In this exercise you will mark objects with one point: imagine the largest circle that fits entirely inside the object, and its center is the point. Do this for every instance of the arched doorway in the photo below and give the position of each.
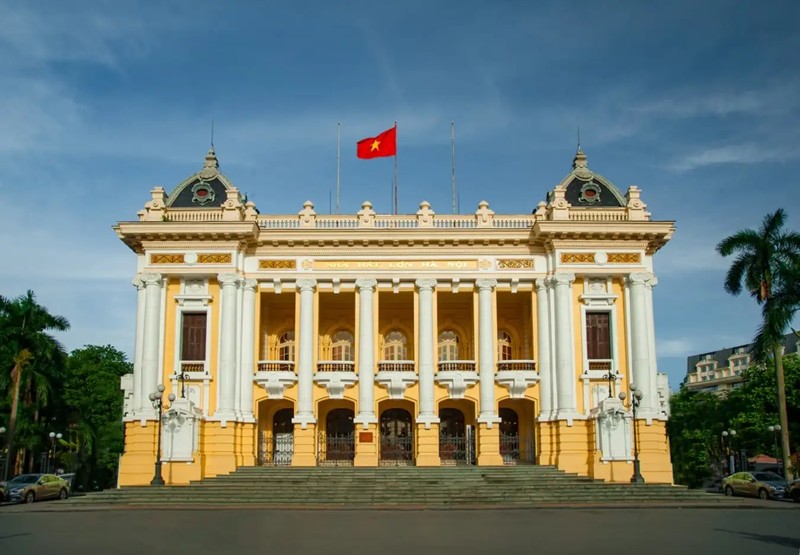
(282, 437)
(397, 437)
(456, 440)
(337, 447)
(509, 435)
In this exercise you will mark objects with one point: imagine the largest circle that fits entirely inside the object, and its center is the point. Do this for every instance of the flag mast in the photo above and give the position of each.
(453, 161)
(338, 160)
(395, 169)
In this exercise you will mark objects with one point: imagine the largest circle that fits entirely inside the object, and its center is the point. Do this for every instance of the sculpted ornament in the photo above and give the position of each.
(425, 284)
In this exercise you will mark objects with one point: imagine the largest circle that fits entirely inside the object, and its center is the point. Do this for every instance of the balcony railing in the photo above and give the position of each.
(516, 365)
(603, 365)
(193, 366)
(275, 366)
(336, 366)
(456, 366)
(396, 366)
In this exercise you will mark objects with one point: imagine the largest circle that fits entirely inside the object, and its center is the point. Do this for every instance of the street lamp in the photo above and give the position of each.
(636, 399)
(776, 429)
(727, 451)
(51, 455)
(156, 399)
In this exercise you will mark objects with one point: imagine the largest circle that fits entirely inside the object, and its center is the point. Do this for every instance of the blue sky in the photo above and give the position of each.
(698, 103)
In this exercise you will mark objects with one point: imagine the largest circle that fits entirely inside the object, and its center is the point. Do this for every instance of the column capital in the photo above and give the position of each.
(306, 284)
(639, 278)
(652, 281)
(563, 278)
(138, 282)
(228, 280)
(152, 278)
(542, 284)
(366, 283)
(425, 284)
(485, 284)
(249, 284)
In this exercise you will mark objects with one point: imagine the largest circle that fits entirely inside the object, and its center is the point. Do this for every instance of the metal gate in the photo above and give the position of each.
(276, 449)
(515, 450)
(396, 451)
(457, 449)
(336, 449)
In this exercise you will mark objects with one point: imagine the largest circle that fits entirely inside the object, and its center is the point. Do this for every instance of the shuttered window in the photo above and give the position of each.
(194, 336)
(598, 335)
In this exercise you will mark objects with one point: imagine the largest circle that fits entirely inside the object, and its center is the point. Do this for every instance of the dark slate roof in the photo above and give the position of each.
(185, 198)
(606, 199)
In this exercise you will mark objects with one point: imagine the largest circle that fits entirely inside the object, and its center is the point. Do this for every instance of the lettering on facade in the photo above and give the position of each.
(392, 265)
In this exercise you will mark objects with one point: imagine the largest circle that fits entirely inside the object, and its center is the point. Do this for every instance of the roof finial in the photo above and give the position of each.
(579, 139)
(580, 160)
(212, 134)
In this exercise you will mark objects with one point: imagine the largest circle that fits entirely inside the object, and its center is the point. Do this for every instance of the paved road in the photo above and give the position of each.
(391, 532)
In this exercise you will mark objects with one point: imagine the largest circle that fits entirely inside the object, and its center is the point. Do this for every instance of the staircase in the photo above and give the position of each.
(398, 486)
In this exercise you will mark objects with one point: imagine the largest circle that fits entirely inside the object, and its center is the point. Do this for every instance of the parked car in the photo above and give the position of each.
(794, 491)
(35, 487)
(765, 485)
(2, 491)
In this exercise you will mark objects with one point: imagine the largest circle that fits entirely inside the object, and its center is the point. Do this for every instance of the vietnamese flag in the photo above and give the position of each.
(384, 144)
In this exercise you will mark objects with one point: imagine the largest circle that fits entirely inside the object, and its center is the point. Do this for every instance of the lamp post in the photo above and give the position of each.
(182, 376)
(636, 398)
(727, 451)
(611, 376)
(51, 455)
(776, 431)
(157, 399)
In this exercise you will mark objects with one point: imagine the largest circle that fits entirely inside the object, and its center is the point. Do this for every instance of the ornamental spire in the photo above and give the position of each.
(210, 165)
(580, 160)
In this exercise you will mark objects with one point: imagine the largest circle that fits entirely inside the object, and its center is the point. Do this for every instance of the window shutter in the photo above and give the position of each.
(194, 337)
(598, 335)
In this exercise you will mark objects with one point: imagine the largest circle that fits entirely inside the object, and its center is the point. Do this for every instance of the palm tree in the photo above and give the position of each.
(767, 267)
(24, 324)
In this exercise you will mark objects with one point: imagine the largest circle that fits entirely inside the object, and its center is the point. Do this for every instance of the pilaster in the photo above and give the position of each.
(428, 444)
(152, 340)
(427, 415)
(486, 352)
(227, 348)
(248, 347)
(305, 444)
(489, 445)
(138, 383)
(565, 354)
(366, 354)
(304, 416)
(367, 445)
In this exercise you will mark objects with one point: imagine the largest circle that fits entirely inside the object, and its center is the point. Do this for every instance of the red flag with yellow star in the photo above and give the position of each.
(384, 144)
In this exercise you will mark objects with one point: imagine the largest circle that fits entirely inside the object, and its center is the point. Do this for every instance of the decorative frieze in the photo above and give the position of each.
(601, 258)
(191, 258)
(264, 264)
(214, 258)
(166, 259)
(514, 264)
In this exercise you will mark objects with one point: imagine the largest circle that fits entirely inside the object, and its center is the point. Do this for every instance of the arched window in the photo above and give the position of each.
(394, 346)
(342, 346)
(448, 345)
(503, 346)
(286, 346)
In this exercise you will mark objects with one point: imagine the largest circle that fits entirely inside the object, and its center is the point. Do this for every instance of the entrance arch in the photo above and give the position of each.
(336, 446)
(509, 435)
(397, 437)
(456, 439)
(275, 432)
(517, 431)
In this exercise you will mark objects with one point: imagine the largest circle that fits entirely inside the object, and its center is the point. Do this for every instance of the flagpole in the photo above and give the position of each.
(453, 161)
(395, 168)
(338, 160)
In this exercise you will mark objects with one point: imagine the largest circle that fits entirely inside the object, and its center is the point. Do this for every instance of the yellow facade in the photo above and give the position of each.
(312, 349)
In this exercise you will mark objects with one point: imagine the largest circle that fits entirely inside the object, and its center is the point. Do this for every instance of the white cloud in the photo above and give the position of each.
(746, 153)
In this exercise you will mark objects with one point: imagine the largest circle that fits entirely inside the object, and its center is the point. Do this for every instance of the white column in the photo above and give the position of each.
(237, 403)
(651, 336)
(248, 347)
(565, 365)
(138, 385)
(640, 349)
(543, 346)
(305, 354)
(366, 353)
(427, 413)
(486, 351)
(227, 348)
(152, 339)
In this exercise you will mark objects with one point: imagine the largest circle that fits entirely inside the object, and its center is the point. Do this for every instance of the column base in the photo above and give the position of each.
(305, 445)
(489, 445)
(367, 451)
(428, 443)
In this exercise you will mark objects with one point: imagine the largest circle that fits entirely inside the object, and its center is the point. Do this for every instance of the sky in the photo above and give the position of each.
(697, 103)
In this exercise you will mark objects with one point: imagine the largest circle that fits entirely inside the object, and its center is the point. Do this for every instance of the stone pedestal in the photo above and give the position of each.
(489, 446)
(305, 445)
(428, 445)
(367, 446)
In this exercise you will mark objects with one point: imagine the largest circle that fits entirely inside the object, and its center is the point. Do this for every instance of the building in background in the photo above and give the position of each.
(721, 371)
(417, 339)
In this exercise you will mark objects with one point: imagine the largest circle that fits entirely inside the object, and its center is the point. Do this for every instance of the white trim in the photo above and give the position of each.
(599, 302)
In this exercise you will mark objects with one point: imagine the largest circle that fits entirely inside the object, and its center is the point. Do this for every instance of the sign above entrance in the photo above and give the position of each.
(395, 265)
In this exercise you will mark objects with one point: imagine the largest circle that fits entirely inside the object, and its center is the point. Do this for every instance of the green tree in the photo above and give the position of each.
(693, 428)
(94, 401)
(766, 266)
(30, 353)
